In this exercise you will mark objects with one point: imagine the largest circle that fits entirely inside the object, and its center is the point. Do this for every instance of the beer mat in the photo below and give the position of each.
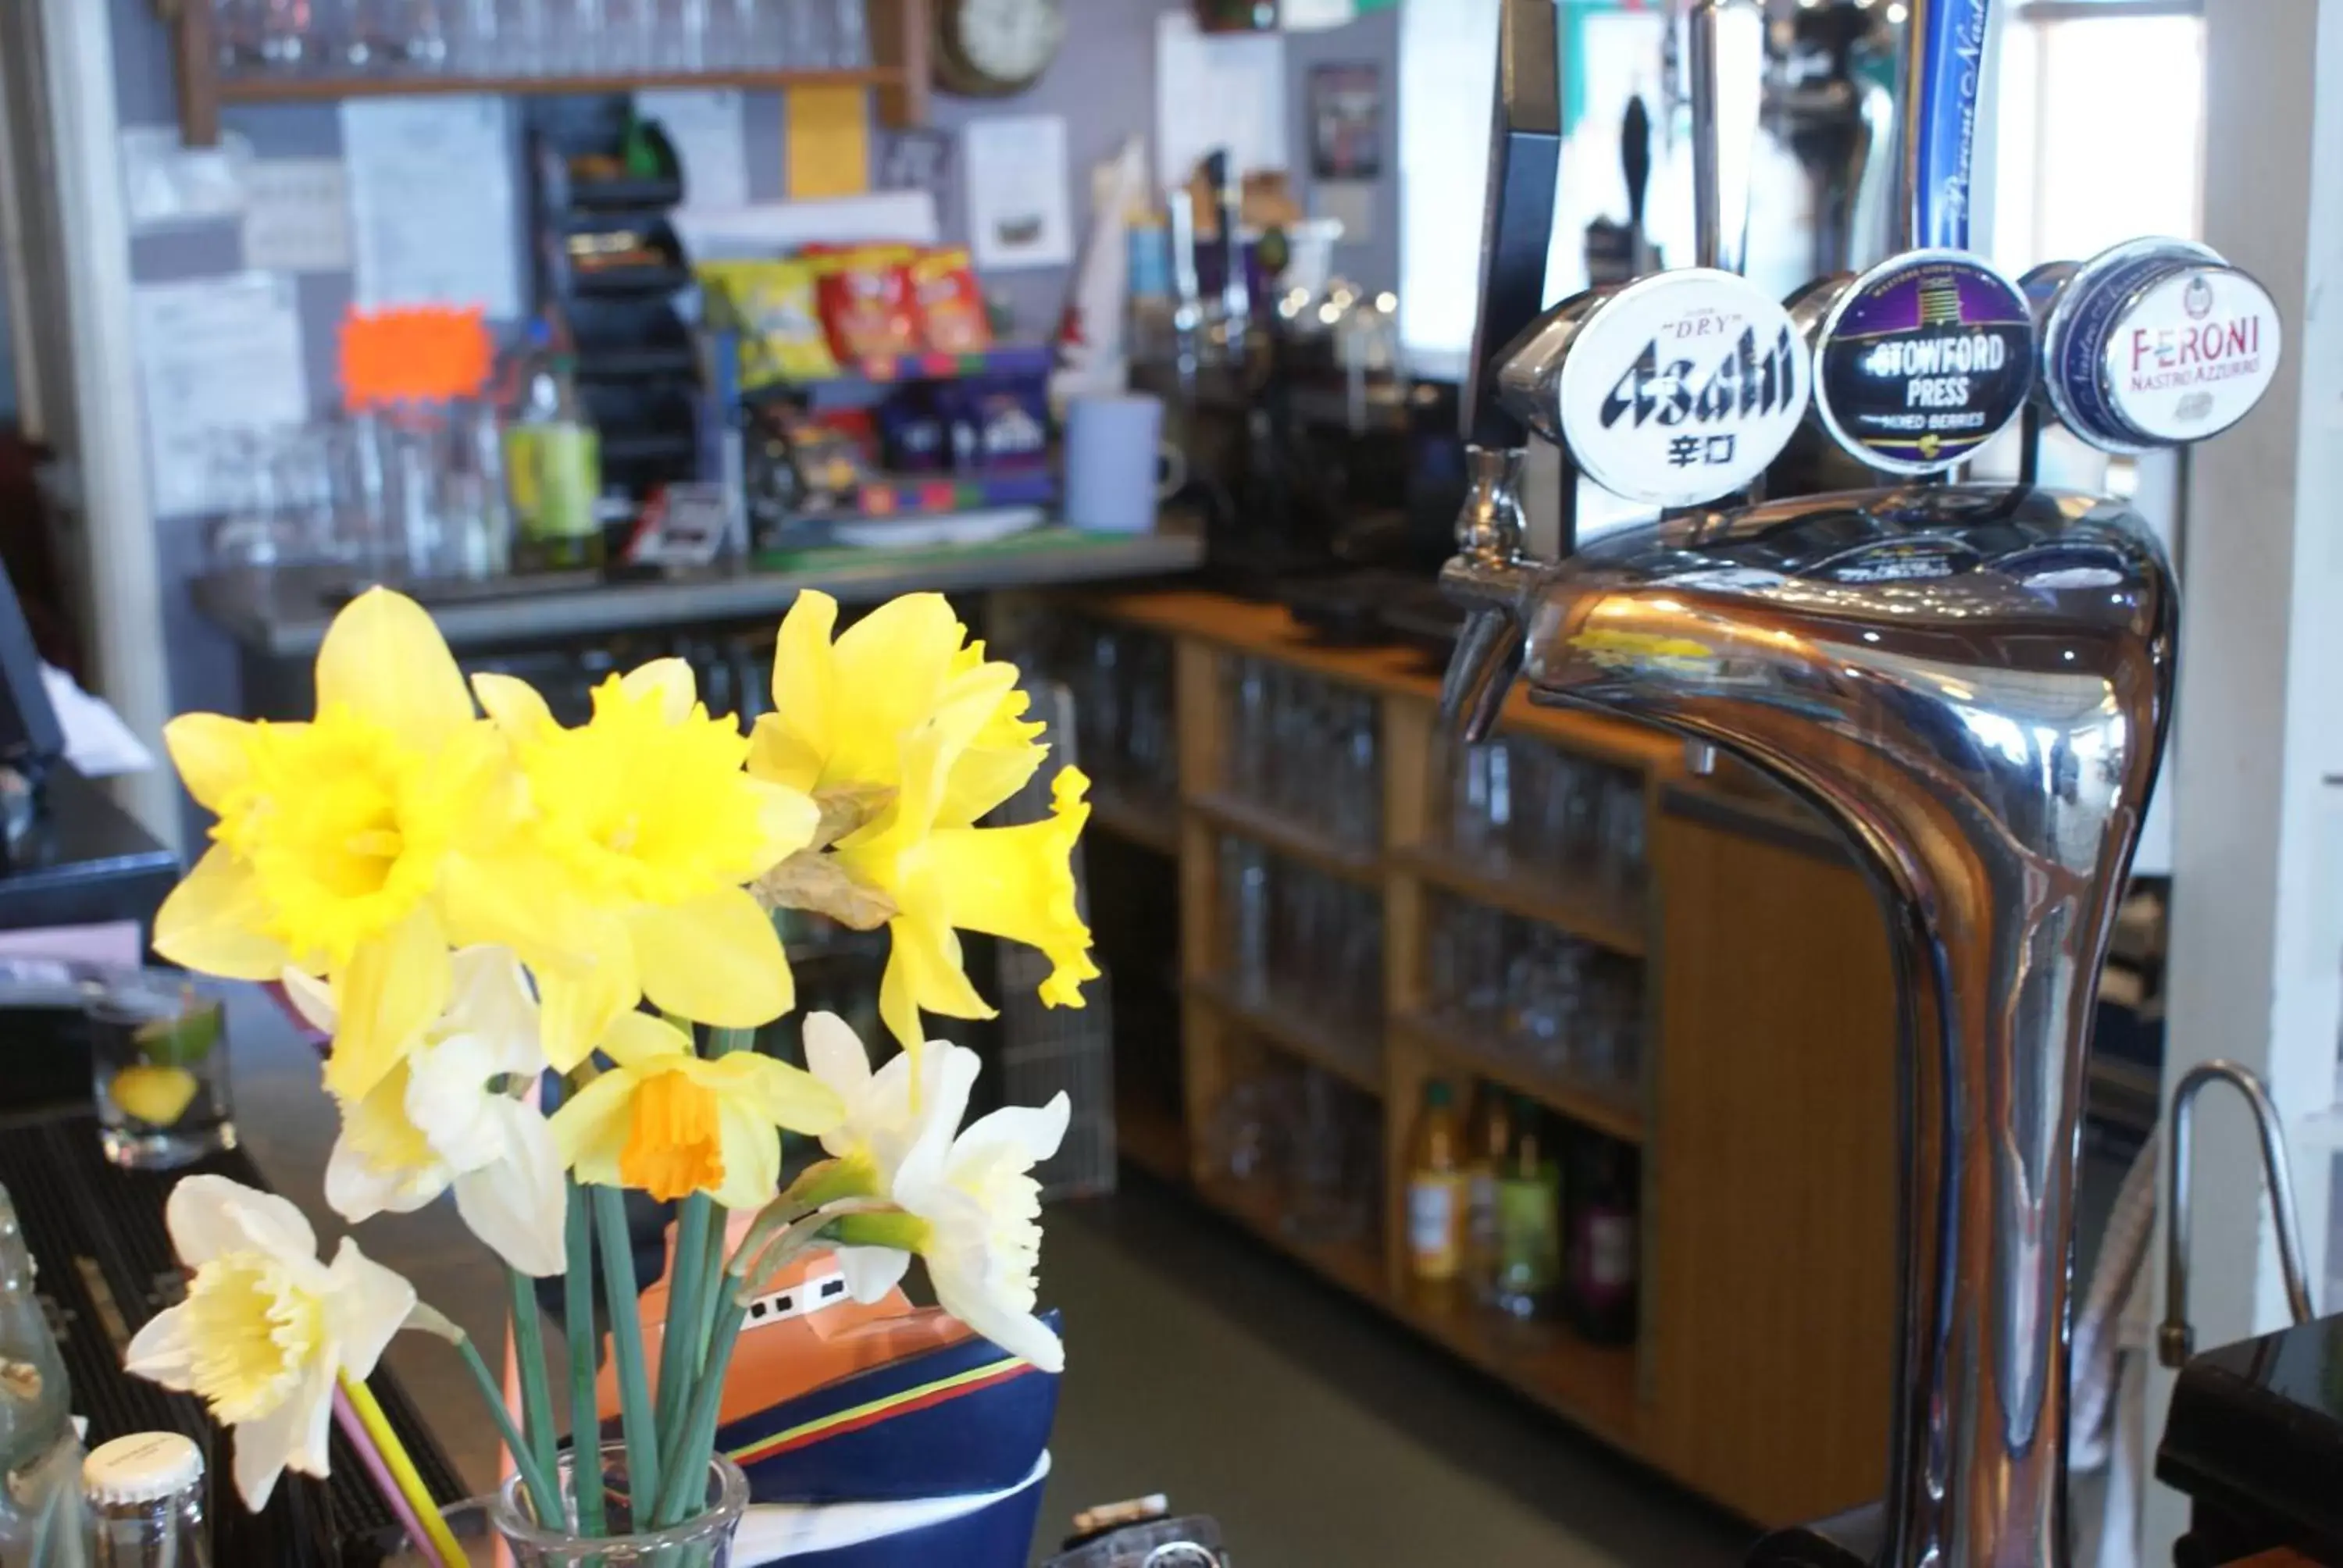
(105, 1266)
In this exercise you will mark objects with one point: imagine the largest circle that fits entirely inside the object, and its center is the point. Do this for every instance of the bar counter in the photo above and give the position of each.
(284, 615)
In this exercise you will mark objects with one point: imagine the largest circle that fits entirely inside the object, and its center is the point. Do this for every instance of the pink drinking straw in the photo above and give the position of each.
(360, 1439)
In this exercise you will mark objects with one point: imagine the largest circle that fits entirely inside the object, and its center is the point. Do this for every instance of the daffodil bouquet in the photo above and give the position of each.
(542, 952)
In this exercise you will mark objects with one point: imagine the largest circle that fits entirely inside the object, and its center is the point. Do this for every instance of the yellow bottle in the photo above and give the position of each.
(1436, 1192)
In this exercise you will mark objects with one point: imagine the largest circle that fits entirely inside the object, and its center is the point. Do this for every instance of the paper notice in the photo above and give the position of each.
(706, 129)
(297, 216)
(432, 218)
(1217, 90)
(217, 357)
(164, 183)
(1019, 207)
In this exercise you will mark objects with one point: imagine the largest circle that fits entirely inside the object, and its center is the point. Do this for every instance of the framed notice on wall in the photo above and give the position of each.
(1346, 122)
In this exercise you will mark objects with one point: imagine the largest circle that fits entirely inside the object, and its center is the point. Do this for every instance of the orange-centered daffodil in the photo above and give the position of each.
(904, 701)
(668, 1122)
(333, 835)
(628, 878)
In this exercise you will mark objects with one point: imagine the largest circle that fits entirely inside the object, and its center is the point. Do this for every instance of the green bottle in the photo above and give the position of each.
(1529, 1226)
(553, 463)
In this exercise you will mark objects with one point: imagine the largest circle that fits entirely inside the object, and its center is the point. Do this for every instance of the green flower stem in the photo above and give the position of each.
(754, 1264)
(698, 1450)
(528, 1353)
(536, 1476)
(637, 1418)
(817, 1186)
(688, 1284)
(725, 1041)
(881, 1228)
(578, 1321)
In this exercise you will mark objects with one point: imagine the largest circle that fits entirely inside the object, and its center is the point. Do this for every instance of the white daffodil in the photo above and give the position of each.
(978, 1210)
(265, 1328)
(884, 1118)
(456, 1110)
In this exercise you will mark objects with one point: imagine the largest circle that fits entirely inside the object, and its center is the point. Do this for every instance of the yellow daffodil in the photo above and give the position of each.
(669, 1123)
(626, 880)
(334, 834)
(843, 710)
(265, 1328)
(903, 701)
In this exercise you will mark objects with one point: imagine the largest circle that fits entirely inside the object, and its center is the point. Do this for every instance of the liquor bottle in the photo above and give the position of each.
(553, 461)
(1529, 1224)
(1484, 1168)
(1602, 1252)
(41, 1521)
(1435, 1192)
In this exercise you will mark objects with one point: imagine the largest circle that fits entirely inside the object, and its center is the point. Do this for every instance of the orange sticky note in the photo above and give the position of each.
(421, 354)
(828, 142)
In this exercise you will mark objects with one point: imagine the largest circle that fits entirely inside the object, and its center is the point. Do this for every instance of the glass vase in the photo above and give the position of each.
(702, 1541)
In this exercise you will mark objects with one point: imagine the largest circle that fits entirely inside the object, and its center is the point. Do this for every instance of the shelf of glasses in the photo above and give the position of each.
(1276, 831)
(291, 88)
(1606, 1106)
(1356, 1264)
(1151, 824)
(1302, 1033)
(1600, 918)
(1270, 631)
(1592, 1384)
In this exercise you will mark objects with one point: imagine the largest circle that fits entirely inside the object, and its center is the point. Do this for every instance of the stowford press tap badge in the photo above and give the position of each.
(1923, 360)
(1682, 387)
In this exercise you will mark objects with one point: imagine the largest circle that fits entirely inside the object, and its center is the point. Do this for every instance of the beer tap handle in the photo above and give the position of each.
(1945, 66)
(1636, 163)
(1728, 93)
(1517, 224)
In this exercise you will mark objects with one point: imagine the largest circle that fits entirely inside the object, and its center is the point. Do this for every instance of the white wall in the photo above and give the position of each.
(2257, 917)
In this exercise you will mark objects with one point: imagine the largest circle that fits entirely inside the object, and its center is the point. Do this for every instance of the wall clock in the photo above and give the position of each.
(993, 49)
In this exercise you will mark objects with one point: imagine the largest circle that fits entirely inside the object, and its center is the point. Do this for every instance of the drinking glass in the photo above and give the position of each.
(1246, 895)
(252, 528)
(1326, 1200)
(159, 1058)
(285, 33)
(236, 34)
(806, 38)
(850, 35)
(690, 22)
(418, 33)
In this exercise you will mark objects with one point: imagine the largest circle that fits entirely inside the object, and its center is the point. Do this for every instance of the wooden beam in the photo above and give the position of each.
(901, 37)
(194, 62)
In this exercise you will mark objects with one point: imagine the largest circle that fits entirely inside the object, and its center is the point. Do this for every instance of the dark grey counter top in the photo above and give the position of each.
(284, 615)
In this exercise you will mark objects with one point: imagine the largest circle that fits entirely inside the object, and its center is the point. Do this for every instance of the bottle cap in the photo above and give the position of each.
(145, 1467)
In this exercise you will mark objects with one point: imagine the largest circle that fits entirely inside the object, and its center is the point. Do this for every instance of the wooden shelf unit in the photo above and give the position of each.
(1612, 1109)
(898, 73)
(1139, 822)
(1297, 1033)
(1763, 1111)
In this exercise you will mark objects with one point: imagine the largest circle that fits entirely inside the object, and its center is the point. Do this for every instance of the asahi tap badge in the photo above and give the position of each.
(1681, 388)
(2153, 343)
(1922, 360)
